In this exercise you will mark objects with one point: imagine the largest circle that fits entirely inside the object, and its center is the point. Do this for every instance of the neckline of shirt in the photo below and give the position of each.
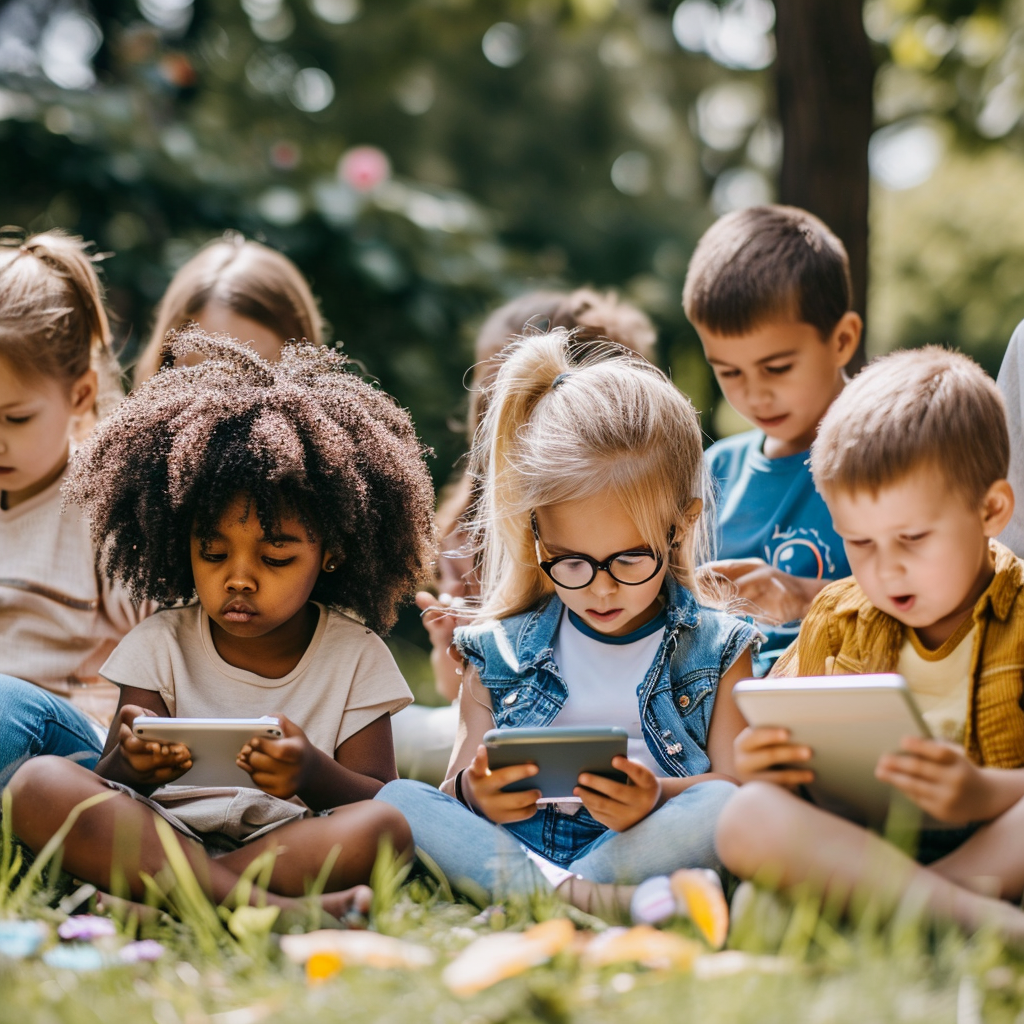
(253, 678)
(660, 621)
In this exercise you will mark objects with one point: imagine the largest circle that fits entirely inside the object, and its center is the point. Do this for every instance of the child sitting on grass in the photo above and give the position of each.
(288, 497)
(912, 461)
(768, 291)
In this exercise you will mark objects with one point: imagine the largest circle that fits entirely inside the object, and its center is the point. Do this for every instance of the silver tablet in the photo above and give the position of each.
(214, 744)
(849, 722)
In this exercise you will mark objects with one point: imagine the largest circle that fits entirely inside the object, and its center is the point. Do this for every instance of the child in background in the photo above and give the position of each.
(592, 484)
(912, 461)
(768, 291)
(1011, 383)
(239, 288)
(424, 735)
(58, 620)
(288, 497)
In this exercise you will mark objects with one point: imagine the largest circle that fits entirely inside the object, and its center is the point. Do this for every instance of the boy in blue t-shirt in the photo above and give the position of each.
(768, 291)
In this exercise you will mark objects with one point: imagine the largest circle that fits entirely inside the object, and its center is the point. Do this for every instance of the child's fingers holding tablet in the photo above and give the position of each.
(485, 788)
(764, 753)
(617, 804)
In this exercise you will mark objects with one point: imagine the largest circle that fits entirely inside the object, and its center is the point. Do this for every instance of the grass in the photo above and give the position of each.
(224, 965)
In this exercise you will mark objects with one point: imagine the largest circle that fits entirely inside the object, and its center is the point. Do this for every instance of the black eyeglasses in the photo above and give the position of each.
(574, 572)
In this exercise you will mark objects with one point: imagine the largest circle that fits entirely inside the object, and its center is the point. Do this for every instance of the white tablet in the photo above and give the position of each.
(849, 722)
(214, 744)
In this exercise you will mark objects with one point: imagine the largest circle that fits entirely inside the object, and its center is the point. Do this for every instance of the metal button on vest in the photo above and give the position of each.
(684, 701)
(511, 698)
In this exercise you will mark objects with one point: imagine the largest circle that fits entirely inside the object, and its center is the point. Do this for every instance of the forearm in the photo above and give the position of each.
(1002, 788)
(671, 787)
(329, 784)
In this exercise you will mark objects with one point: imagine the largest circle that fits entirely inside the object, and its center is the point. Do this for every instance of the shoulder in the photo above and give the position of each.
(512, 641)
(344, 632)
(167, 623)
(731, 452)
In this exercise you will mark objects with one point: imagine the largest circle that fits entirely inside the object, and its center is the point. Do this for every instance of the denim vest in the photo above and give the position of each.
(515, 662)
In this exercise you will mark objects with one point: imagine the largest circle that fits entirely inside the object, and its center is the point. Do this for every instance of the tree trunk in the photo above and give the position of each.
(824, 80)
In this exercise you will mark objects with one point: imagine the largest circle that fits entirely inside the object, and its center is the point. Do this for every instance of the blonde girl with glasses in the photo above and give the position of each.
(590, 524)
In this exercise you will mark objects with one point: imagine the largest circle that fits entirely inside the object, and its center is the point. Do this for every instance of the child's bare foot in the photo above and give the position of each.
(348, 902)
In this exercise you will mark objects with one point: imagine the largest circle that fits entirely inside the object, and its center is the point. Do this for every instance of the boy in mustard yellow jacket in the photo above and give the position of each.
(912, 460)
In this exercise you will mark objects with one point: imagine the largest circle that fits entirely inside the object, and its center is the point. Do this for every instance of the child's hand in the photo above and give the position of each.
(770, 594)
(278, 767)
(939, 778)
(440, 619)
(759, 753)
(616, 804)
(482, 788)
(152, 762)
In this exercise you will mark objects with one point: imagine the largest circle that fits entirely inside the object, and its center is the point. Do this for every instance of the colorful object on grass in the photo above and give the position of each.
(692, 893)
(364, 949)
(321, 967)
(143, 951)
(644, 945)
(494, 958)
(20, 939)
(364, 168)
(75, 956)
(86, 928)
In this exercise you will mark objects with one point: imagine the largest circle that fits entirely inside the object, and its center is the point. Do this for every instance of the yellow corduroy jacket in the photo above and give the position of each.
(844, 634)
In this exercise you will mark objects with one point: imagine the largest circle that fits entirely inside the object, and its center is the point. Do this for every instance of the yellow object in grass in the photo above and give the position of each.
(321, 967)
(494, 958)
(644, 945)
(701, 894)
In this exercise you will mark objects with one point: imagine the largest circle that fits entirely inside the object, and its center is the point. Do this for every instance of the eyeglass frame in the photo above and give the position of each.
(594, 564)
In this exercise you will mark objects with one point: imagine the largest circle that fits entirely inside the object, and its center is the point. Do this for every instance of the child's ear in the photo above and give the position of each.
(997, 508)
(330, 561)
(845, 337)
(82, 395)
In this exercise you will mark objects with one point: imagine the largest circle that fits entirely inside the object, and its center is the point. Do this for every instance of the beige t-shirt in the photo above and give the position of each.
(346, 679)
(940, 680)
(58, 619)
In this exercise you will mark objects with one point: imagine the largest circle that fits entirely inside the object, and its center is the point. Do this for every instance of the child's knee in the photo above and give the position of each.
(749, 827)
(391, 823)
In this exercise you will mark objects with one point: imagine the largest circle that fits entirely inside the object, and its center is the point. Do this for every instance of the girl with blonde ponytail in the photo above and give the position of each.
(58, 619)
(590, 524)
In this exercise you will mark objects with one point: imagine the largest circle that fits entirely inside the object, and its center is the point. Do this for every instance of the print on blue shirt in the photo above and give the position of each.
(770, 509)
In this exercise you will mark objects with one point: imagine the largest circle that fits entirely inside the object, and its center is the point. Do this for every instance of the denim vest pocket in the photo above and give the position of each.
(520, 703)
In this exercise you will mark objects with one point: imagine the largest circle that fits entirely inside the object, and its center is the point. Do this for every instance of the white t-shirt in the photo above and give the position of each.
(346, 679)
(603, 675)
(59, 619)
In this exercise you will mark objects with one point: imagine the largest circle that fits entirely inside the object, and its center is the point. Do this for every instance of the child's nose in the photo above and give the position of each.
(603, 583)
(240, 577)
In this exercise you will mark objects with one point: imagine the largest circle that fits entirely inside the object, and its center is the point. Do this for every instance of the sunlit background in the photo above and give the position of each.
(422, 160)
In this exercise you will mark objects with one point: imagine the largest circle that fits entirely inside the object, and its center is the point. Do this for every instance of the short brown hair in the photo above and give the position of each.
(926, 406)
(763, 263)
(246, 277)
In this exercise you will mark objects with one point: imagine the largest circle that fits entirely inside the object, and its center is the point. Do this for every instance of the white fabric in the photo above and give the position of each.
(603, 680)
(58, 619)
(346, 679)
(1011, 383)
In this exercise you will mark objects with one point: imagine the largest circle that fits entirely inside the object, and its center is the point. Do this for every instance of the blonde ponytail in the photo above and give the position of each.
(52, 319)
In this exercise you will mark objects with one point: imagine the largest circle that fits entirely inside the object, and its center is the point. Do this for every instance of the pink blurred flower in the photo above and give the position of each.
(86, 927)
(364, 168)
(145, 949)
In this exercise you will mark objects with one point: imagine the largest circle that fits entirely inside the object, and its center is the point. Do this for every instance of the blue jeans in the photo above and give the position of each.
(34, 721)
(467, 848)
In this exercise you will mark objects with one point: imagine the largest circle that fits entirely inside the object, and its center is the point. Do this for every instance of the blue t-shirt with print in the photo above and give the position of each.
(770, 509)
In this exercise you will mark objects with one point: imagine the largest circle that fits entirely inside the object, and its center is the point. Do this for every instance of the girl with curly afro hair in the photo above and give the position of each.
(292, 499)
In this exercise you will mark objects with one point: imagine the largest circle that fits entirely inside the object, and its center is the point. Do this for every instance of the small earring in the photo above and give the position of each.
(330, 566)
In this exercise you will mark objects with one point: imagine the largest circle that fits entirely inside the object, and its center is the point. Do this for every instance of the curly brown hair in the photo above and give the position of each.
(304, 436)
